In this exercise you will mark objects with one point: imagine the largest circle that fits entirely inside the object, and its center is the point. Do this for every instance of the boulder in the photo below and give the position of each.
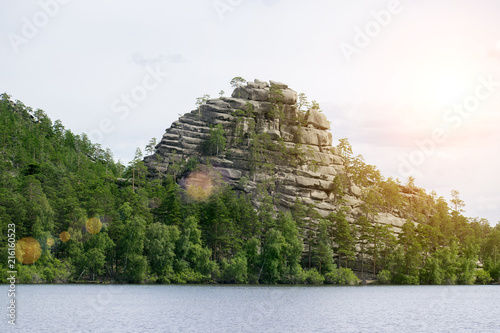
(319, 195)
(235, 103)
(278, 84)
(352, 201)
(356, 190)
(326, 185)
(230, 173)
(326, 206)
(309, 137)
(386, 218)
(289, 96)
(317, 119)
(259, 94)
(241, 92)
(326, 170)
(325, 138)
(306, 173)
(221, 162)
(260, 84)
(291, 113)
(306, 182)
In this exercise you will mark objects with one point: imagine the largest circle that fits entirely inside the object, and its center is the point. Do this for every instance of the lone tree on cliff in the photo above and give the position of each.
(200, 101)
(237, 81)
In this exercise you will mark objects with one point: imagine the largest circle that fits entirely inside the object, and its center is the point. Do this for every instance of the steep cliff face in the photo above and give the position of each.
(269, 142)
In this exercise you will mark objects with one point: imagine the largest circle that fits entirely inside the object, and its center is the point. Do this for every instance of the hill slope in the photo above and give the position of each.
(78, 215)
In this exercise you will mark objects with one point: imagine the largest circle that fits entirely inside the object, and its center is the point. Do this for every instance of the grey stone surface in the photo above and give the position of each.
(278, 84)
(317, 119)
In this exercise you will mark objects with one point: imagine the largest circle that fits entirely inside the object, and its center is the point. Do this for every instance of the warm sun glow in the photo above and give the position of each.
(64, 236)
(93, 225)
(441, 84)
(199, 185)
(28, 250)
(50, 241)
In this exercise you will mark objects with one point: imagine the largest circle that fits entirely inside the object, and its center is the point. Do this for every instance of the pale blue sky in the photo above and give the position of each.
(77, 59)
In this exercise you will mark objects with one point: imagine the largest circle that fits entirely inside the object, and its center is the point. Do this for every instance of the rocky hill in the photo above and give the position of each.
(269, 143)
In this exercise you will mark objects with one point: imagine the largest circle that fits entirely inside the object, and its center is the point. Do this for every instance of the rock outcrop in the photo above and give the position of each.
(268, 141)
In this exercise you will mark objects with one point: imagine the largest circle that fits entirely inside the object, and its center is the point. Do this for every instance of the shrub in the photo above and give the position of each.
(406, 279)
(49, 275)
(312, 276)
(482, 277)
(188, 275)
(236, 270)
(343, 276)
(494, 271)
(384, 277)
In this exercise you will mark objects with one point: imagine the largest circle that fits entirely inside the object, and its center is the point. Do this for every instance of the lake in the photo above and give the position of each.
(194, 308)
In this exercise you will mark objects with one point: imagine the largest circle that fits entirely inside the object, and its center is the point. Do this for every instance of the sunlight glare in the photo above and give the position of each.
(199, 185)
(93, 225)
(440, 84)
(28, 250)
(64, 236)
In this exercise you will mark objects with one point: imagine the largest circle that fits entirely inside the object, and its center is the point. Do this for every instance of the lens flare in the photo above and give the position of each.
(93, 225)
(28, 250)
(64, 236)
(50, 242)
(199, 185)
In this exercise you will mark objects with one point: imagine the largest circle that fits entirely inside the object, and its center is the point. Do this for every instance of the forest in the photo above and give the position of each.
(81, 216)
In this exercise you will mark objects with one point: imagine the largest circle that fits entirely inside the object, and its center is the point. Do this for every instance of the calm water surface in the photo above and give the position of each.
(134, 308)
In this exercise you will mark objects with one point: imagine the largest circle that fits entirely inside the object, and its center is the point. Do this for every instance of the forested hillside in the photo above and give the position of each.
(81, 216)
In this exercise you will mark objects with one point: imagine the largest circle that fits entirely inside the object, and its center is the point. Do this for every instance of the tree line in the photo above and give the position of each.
(56, 187)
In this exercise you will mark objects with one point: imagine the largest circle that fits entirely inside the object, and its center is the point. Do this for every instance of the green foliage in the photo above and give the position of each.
(312, 276)
(343, 236)
(216, 142)
(324, 248)
(482, 277)
(343, 276)
(160, 249)
(384, 277)
(237, 270)
(200, 101)
(302, 104)
(52, 180)
(237, 81)
(272, 265)
(276, 99)
(292, 248)
(340, 187)
(251, 248)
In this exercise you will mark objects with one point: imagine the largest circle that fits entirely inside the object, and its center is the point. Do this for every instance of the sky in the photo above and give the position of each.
(413, 84)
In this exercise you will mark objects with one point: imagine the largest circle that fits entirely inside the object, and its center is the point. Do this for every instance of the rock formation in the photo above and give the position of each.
(268, 141)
